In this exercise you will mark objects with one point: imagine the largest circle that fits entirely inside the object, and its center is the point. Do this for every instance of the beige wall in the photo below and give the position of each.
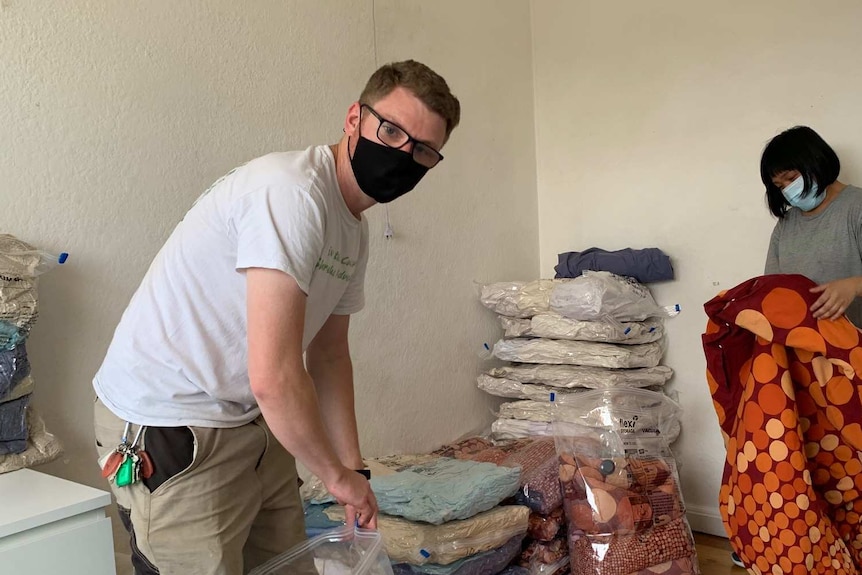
(115, 116)
(650, 120)
(474, 219)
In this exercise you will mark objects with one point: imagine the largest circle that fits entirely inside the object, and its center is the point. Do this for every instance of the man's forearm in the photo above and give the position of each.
(292, 413)
(333, 380)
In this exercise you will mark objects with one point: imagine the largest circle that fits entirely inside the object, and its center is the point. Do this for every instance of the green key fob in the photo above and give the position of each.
(126, 473)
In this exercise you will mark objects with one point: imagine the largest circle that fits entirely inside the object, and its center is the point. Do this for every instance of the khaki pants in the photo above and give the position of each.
(221, 502)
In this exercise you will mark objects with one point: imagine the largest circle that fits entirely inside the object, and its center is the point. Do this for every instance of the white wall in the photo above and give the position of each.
(650, 120)
(115, 116)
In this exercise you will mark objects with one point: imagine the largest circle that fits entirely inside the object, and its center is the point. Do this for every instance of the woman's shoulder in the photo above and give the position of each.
(851, 195)
(851, 198)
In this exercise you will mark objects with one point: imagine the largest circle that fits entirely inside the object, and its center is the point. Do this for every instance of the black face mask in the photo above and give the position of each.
(384, 173)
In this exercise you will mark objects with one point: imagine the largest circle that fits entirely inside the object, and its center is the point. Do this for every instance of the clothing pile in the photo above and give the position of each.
(646, 266)
(565, 336)
(631, 427)
(23, 439)
(544, 550)
(480, 505)
(438, 515)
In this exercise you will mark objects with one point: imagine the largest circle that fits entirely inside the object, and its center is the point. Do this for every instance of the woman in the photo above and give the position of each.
(819, 228)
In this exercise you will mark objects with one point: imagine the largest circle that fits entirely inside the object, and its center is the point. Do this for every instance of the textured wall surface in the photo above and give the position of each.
(115, 116)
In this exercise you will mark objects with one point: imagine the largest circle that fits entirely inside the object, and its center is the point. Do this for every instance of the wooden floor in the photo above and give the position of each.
(713, 554)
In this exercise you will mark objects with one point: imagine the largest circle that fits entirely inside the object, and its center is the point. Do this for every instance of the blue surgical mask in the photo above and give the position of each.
(793, 195)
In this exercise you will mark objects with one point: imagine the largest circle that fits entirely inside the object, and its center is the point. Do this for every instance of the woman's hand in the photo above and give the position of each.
(835, 296)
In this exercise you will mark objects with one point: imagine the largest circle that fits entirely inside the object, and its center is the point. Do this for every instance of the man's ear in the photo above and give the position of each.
(351, 121)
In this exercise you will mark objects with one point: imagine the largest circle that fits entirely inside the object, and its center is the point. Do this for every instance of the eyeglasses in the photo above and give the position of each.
(394, 136)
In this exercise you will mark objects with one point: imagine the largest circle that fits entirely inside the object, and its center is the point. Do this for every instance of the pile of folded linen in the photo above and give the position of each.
(544, 550)
(439, 515)
(565, 336)
(23, 439)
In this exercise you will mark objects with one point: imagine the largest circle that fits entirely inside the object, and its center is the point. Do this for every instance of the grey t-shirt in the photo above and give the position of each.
(824, 247)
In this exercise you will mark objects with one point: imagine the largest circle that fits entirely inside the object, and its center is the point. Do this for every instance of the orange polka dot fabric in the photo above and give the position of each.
(786, 389)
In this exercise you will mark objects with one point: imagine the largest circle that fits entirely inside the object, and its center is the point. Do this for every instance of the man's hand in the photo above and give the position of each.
(835, 297)
(352, 490)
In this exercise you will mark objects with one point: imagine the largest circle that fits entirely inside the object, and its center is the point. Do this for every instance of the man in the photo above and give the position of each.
(208, 357)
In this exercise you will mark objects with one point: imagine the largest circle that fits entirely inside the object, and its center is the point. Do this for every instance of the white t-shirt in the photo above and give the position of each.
(179, 355)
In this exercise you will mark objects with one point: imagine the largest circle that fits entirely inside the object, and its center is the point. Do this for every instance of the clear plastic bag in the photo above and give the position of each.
(10, 336)
(503, 429)
(621, 491)
(607, 355)
(572, 376)
(486, 563)
(530, 410)
(546, 527)
(637, 412)
(518, 299)
(639, 407)
(42, 447)
(419, 543)
(536, 458)
(13, 426)
(516, 326)
(317, 521)
(545, 557)
(20, 266)
(517, 390)
(14, 367)
(597, 296)
(430, 488)
(344, 551)
(314, 492)
(556, 326)
(444, 490)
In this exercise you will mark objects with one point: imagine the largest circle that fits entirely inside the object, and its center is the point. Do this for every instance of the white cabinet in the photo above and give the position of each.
(50, 525)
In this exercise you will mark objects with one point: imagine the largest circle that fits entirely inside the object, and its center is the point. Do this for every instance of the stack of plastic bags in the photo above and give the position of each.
(596, 331)
(23, 439)
(544, 550)
(438, 515)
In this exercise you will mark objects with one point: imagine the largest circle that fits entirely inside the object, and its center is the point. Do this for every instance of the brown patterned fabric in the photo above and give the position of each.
(539, 554)
(624, 514)
(546, 527)
(624, 553)
(787, 390)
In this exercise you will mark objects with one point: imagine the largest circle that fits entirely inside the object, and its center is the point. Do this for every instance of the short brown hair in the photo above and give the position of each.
(422, 81)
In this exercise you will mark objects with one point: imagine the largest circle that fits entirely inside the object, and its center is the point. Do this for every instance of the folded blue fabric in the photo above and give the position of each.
(646, 265)
(14, 367)
(316, 521)
(444, 489)
(487, 563)
(10, 335)
(13, 425)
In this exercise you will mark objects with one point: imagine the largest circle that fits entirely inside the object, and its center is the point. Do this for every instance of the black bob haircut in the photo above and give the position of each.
(799, 148)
